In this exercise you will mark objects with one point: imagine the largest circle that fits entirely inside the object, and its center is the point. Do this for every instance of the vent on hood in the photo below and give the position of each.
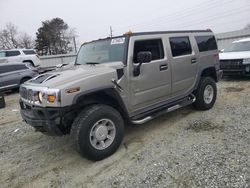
(43, 78)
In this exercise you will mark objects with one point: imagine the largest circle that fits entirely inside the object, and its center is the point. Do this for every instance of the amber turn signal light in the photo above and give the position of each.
(51, 98)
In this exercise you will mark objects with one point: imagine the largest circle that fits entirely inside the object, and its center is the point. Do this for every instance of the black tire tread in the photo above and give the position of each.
(199, 103)
(77, 128)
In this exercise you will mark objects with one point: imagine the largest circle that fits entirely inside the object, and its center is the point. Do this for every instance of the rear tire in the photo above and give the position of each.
(97, 131)
(29, 62)
(206, 94)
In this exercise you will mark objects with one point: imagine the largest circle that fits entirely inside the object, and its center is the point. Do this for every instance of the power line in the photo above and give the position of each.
(171, 20)
(198, 8)
(213, 18)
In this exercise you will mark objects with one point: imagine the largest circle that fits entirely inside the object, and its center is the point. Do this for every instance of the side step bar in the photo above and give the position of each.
(191, 99)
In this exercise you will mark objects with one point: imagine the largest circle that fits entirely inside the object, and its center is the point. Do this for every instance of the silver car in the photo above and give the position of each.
(14, 74)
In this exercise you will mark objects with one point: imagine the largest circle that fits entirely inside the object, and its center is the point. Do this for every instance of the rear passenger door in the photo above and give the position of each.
(184, 65)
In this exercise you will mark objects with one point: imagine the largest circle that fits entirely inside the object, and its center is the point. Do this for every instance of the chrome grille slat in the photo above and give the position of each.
(28, 94)
(231, 64)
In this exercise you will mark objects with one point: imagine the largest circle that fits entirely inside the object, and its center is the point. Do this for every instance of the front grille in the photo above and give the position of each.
(28, 94)
(231, 64)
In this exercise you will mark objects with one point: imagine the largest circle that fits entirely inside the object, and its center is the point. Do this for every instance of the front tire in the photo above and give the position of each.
(206, 94)
(97, 132)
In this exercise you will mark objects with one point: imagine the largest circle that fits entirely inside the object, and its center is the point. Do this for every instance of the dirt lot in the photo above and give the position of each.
(185, 148)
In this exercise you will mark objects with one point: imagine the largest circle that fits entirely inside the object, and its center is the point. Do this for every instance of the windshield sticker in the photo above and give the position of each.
(118, 41)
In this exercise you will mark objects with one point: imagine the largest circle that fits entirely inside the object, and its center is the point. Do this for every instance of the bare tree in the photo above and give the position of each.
(25, 41)
(10, 38)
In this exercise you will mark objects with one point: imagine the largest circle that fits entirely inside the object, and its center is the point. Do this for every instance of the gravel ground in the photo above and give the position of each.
(185, 148)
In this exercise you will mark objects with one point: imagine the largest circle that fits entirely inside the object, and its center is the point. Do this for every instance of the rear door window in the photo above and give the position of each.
(7, 68)
(180, 46)
(12, 68)
(206, 43)
(154, 46)
(12, 53)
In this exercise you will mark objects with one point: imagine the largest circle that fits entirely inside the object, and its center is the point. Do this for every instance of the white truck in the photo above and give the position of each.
(235, 60)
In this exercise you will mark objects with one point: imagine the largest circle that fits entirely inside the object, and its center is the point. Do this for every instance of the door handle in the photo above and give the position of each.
(163, 67)
(193, 61)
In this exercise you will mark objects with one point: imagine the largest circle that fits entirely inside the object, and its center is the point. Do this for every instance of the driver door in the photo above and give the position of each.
(154, 81)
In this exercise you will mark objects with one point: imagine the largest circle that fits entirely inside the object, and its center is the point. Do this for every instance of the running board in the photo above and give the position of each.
(191, 99)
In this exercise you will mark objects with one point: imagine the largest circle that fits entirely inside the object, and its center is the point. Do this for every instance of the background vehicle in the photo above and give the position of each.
(132, 78)
(236, 58)
(14, 74)
(20, 55)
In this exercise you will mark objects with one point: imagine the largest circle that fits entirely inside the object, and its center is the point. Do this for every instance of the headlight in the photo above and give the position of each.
(49, 95)
(246, 61)
(40, 97)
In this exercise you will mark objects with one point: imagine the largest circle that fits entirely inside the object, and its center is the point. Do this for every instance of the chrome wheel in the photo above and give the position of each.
(208, 94)
(102, 134)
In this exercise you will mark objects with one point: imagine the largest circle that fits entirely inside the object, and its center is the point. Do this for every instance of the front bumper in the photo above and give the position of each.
(50, 121)
(234, 67)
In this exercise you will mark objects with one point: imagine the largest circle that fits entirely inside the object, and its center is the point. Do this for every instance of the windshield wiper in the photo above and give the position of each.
(92, 63)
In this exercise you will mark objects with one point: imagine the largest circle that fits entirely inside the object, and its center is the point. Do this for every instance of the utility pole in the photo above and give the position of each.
(111, 31)
(74, 41)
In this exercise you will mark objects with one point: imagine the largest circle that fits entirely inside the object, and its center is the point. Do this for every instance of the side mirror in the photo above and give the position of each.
(142, 57)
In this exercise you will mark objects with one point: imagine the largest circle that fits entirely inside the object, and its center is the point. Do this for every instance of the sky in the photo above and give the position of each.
(92, 19)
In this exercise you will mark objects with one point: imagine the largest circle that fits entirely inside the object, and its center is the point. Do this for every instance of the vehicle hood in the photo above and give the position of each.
(234, 55)
(75, 74)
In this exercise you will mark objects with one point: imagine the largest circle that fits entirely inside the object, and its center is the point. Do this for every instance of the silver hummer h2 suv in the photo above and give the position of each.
(129, 79)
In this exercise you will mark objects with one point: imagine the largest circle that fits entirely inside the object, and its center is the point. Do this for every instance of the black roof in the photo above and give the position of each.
(153, 33)
(169, 32)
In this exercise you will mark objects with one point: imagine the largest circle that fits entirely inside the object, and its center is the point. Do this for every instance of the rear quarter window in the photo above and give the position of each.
(206, 43)
(29, 52)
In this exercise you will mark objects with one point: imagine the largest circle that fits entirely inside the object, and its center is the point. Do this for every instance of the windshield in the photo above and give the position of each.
(239, 47)
(2, 54)
(102, 51)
